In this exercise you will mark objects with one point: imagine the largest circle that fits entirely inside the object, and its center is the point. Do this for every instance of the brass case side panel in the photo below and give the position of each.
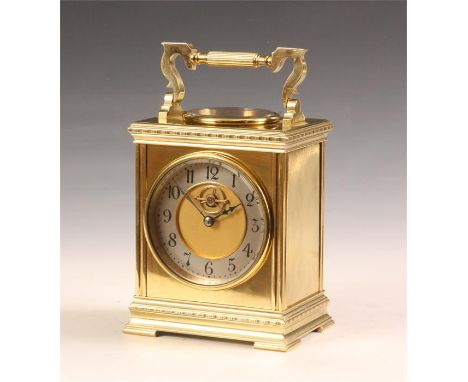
(302, 225)
(280, 228)
(140, 190)
(258, 292)
(137, 220)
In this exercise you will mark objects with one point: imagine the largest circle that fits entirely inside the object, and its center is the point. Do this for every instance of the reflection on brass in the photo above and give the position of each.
(232, 116)
(281, 298)
(212, 199)
(161, 257)
(277, 306)
(226, 234)
(171, 110)
(171, 106)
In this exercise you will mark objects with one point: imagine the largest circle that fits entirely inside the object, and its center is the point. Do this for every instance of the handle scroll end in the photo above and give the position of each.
(293, 114)
(171, 50)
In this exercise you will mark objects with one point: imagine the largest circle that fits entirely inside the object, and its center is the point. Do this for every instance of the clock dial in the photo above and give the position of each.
(207, 221)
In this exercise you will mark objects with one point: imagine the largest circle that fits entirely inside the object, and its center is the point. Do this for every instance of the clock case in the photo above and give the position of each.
(284, 300)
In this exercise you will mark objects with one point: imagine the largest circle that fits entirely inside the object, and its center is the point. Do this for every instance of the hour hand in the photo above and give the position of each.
(227, 211)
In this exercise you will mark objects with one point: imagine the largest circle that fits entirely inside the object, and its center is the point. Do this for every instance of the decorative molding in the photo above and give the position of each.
(304, 314)
(272, 330)
(205, 315)
(284, 320)
(149, 131)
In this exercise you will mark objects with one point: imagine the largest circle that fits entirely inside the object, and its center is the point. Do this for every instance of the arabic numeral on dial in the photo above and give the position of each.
(257, 225)
(247, 250)
(189, 175)
(212, 172)
(250, 197)
(172, 240)
(231, 266)
(209, 268)
(173, 192)
(188, 254)
(168, 215)
(234, 180)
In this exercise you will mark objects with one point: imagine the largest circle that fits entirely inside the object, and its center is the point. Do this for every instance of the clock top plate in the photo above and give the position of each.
(258, 138)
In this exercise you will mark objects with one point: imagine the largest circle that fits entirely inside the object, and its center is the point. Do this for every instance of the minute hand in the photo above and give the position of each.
(190, 199)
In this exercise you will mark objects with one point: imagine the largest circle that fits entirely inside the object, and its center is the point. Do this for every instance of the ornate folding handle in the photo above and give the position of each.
(171, 109)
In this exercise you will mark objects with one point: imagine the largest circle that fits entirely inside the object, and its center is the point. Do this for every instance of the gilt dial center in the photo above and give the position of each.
(220, 231)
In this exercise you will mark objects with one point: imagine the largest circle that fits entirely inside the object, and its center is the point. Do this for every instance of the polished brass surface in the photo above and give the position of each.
(275, 288)
(268, 330)
(302, 219)
(208, 250)
(150, 131)
(232, 59)
(232, 116)
(255, 292)
(224, 236)
(281, 299)
(171, 111)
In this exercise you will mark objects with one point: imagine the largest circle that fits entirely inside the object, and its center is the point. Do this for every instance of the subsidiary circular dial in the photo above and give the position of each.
(207, 221)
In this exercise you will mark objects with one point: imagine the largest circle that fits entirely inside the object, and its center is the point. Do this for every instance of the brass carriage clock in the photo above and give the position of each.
(229, 205)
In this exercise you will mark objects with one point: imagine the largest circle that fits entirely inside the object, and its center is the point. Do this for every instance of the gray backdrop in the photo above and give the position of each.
(110, 76)
(357, 79)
